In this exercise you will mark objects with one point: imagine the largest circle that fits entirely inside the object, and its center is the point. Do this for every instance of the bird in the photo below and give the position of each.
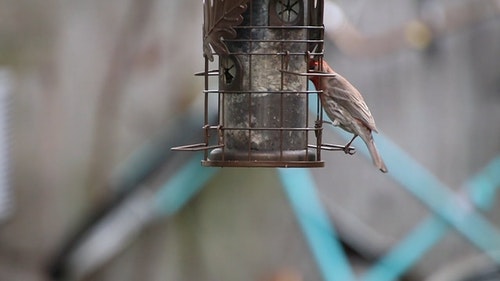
(345, 106)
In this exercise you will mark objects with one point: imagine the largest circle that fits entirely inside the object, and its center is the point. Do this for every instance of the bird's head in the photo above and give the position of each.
(314, 65)
(317, 65)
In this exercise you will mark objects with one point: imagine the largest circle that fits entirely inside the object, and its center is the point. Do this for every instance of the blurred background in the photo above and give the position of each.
(93, 94)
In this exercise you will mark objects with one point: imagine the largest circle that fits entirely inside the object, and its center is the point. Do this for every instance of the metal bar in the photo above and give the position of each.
(306, 120)
(440, 199)
(250, 82)
(179, 189)
(266, 53)
(483, 187)
(196, 147)
(319, 122)
(281, 101)
(277, 27)
(318, 230)
(205, 118)
(437, 196)
(431, 230)
(322, 74)
(264, 164)
(213, 72)
(274, 40)
(273, 54)
(333, 147)
(269, 129)
(223, 123)
(259, 92)
(220, 133)
(408, 251)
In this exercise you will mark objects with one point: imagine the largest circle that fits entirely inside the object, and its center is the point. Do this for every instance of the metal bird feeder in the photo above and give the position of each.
(257, 52)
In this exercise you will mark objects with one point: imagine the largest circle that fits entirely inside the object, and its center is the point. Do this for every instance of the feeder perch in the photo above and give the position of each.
(257, 52)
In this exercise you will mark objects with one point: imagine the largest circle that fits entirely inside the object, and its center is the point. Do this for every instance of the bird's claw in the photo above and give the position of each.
(349, 150)
(318, 123)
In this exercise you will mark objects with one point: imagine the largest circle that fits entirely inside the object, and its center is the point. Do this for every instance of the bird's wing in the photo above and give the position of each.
(350, 98)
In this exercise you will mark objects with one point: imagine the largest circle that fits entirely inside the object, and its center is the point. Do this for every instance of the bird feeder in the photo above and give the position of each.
(257, 52)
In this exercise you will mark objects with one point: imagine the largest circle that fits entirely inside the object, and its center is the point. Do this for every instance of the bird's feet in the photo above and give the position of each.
(349, 150)
(318, 123)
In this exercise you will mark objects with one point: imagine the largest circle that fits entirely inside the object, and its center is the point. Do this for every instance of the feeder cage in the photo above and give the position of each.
(257, 52)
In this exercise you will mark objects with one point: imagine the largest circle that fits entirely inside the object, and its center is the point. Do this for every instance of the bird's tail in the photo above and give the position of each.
(377, 159)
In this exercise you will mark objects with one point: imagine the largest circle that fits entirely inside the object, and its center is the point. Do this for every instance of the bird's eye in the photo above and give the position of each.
(313, 65)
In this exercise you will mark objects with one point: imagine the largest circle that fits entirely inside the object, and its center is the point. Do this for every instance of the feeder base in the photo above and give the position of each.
(287, 159)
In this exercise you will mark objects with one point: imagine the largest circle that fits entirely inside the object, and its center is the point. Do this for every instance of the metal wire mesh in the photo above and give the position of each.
(263, 90)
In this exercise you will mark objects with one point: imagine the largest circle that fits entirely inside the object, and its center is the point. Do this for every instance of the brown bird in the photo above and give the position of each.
(347, 109)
